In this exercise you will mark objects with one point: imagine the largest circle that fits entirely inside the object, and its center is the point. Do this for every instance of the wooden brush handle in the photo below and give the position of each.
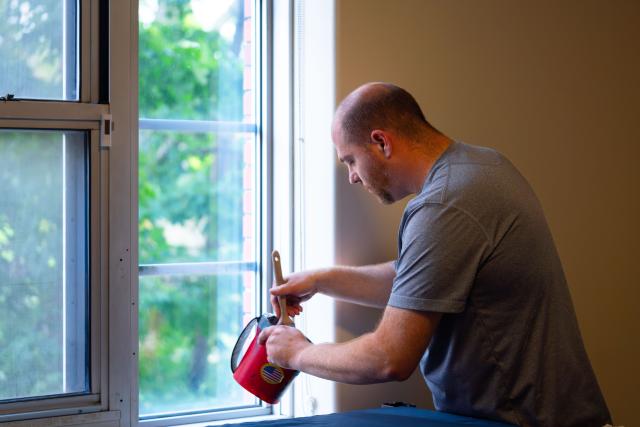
(282, 301)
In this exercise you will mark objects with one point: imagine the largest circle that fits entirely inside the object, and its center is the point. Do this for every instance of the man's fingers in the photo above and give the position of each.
(294, 310)
(293, 306)
(265, 334)
(280, 290)
(293, 301)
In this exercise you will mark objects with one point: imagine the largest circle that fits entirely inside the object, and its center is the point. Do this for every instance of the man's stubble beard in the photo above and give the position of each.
(380, 185)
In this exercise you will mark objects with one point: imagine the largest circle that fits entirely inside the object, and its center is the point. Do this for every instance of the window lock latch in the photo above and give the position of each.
(106, 128)
(8, 97)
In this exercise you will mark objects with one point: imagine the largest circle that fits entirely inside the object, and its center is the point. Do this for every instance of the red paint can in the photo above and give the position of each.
(265, 380)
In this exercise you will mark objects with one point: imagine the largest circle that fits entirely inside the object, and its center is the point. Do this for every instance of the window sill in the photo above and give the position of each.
(237, 421)
(214, 418)
(102, 419)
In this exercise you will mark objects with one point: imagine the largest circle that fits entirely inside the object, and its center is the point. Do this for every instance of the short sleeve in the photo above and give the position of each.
(440, 251)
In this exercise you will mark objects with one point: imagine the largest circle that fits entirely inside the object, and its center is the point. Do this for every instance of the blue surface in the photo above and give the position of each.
(381, 417)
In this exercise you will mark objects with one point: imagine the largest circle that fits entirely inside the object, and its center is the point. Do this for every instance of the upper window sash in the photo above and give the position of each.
(20, 112)
(74, 50)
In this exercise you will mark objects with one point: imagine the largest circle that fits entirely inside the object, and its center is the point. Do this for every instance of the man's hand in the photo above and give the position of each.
(284, 345)
(298, 287)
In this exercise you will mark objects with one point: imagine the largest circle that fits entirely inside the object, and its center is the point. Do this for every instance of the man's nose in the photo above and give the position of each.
(354, 178)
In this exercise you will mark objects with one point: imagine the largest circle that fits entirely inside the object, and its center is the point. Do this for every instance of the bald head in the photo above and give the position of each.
(379, 106)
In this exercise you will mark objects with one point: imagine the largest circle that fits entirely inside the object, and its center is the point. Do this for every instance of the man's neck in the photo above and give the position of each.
(435, 145)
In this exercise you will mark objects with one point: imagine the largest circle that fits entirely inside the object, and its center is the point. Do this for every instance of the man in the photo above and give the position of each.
(477, 296)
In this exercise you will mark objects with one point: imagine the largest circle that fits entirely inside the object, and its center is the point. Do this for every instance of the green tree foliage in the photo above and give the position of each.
(190, 184)
(185, 73)
(31, 46)
(30, 264)
(31, 223)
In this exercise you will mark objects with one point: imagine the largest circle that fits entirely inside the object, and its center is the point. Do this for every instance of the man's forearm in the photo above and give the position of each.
(389, 353)
(367, 285)
(358, 361)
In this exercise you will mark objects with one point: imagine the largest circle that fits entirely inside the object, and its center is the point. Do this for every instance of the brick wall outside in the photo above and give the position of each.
(249, 171)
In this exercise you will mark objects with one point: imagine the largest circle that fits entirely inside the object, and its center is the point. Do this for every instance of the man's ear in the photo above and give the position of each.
(382, 140)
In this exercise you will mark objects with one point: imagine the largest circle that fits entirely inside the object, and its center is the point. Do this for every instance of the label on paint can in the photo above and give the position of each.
(272, 374)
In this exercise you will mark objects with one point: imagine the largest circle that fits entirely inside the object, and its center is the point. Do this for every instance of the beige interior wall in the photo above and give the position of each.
(554, 86)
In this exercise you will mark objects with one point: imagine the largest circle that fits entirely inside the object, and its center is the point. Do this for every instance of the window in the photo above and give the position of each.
(194, 147)
(43, 251)
(51, 210)
(201, 204)
(38, 47)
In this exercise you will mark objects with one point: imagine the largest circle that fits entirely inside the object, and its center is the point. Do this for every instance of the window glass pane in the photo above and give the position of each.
(186, 342)
(38, 47)
(193, 58)
(43, 264)
(196, 197)
(198, 192)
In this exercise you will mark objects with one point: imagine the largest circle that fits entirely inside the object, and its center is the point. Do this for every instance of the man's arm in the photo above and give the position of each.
(367, 285)
(390, 353)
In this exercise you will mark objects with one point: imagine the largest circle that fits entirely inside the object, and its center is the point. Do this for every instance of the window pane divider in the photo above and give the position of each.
(52, 110)
(197, 268)
(49, 124)
(198, 126)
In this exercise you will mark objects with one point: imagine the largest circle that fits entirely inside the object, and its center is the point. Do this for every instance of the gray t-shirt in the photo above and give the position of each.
(475, 246)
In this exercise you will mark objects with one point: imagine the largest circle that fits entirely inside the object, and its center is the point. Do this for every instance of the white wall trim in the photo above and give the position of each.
(314, 177)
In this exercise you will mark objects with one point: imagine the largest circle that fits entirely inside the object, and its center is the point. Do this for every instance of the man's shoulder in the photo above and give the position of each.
(470, 168)
(478, 181)
(463, 153)
(462, 169)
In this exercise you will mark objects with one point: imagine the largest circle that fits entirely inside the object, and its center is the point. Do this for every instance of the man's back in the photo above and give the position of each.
(475, 245)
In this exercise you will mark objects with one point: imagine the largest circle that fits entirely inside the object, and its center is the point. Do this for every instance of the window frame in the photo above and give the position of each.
(113, 197)
(263, 108)
(83, 114)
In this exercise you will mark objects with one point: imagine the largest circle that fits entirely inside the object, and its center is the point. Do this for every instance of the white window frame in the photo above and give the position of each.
(84, 115)
(269, 122)
(113, 401)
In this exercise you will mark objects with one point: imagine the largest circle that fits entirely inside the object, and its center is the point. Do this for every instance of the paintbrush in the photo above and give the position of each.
(282, 300)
